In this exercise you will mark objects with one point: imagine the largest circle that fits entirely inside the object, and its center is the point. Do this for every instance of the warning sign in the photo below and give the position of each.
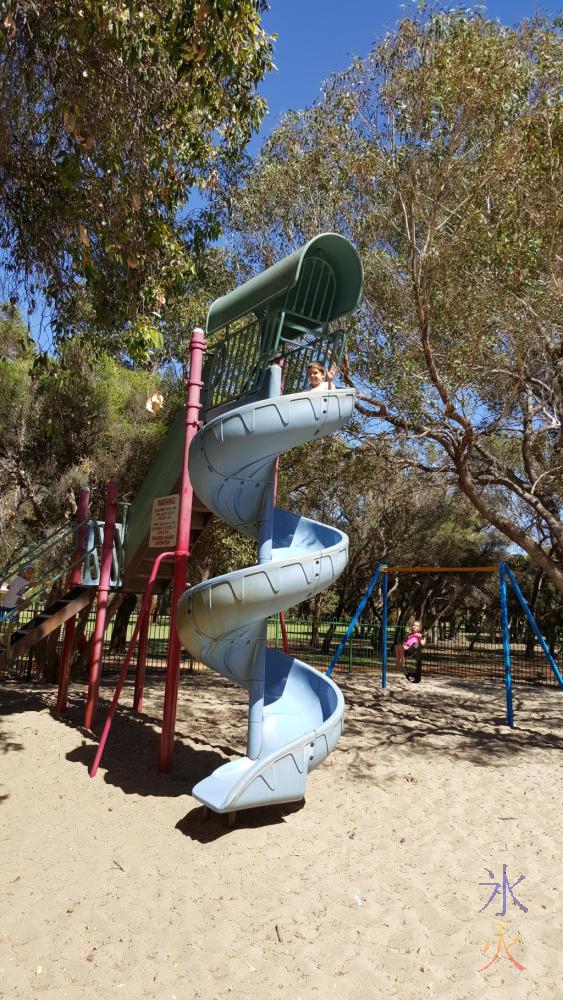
(164, 522)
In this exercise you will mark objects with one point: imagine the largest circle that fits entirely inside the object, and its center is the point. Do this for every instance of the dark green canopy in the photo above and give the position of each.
(268, 292)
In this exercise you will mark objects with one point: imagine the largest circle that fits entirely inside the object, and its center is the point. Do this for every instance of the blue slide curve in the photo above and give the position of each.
(295, 712)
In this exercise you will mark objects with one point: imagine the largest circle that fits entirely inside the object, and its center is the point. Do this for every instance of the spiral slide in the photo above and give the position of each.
(295, 712)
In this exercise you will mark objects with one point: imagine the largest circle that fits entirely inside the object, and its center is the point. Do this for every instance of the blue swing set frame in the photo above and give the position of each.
(506, 576)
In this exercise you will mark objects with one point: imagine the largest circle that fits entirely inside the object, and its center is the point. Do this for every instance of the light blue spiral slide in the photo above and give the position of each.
(295, 712)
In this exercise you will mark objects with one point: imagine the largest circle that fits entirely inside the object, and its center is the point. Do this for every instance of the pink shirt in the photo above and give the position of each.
(412, 640)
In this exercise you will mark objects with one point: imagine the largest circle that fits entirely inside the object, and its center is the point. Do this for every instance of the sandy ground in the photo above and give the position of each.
(116, 886)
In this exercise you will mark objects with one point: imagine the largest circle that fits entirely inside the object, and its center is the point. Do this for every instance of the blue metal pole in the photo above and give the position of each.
(355, 619)
(534, 624)
(384, 631)
(506, 645)
(271, 388)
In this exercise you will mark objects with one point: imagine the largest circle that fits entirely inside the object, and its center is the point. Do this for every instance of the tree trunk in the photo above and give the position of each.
(530, 636)
(317, 606)
(47, 657)
(330, 631)
(118, 641)
(46, 652)
(476, 635)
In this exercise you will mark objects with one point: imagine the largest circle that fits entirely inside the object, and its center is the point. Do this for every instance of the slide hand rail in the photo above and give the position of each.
(35, 553)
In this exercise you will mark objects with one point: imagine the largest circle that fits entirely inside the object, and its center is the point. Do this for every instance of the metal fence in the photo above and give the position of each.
(32, 664)
(451, 651)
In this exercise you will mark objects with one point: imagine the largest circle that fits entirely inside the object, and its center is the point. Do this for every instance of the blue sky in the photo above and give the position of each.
(318, 38)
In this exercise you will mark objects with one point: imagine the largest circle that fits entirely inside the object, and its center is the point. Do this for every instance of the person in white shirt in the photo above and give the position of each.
(13, 596)
(320, 378)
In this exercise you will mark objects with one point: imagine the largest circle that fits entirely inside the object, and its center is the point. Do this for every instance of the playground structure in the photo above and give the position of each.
(281, 318)
(80, 571)
(245, 406)
(505, 575)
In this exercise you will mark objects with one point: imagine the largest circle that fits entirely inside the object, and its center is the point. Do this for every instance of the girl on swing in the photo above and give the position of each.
(412, 647)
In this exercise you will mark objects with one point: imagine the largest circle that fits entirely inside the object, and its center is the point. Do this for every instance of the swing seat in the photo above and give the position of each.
(414, 673)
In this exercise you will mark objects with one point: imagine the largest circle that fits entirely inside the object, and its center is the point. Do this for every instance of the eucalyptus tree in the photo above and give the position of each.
(439, 156)
(72, 420)
(391, 515)
(111, 114)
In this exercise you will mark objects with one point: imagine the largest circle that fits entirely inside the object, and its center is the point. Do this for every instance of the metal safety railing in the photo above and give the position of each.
(234, 367)
(38, 592)
(36, 553)
(52, 555)
(312, 296)
(282, 315)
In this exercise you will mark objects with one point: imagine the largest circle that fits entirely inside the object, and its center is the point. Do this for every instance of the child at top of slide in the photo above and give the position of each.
(320, 378)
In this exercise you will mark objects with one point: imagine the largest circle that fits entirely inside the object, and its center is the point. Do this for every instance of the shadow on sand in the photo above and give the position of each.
(458, 719)
(205, 830)
(12, 701)
(130, 759)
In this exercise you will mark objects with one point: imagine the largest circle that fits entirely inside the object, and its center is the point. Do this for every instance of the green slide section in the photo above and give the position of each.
(161, 480)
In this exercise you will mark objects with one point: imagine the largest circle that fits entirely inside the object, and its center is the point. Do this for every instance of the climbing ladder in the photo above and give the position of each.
(22, 638)
(61, 560)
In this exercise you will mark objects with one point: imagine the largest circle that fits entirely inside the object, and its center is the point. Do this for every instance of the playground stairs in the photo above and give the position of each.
(138, 567)
(55, 614)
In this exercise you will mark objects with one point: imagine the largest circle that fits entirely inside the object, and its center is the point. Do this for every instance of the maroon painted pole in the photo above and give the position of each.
(74, 581)
(141, 660)
(191, 424)
(102, 605)
(143, 613)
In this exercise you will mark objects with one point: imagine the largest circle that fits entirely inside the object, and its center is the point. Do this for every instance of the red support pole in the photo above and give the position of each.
(143, 613)
(74, 581)
(102, 605)
(141, 660)
(191, 424)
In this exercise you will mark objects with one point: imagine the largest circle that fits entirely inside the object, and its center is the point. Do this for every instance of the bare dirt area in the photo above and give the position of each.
(371, 888)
